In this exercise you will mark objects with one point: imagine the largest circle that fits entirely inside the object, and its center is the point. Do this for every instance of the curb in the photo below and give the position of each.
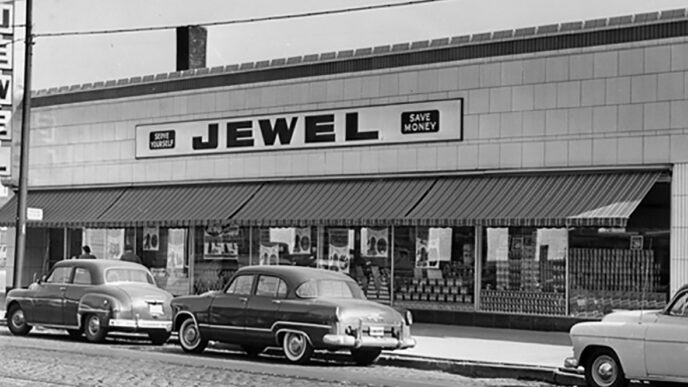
(472, 369)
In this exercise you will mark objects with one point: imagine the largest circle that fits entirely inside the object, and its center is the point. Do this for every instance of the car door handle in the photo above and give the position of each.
(243, 299)
(63, 288)
(276, 301)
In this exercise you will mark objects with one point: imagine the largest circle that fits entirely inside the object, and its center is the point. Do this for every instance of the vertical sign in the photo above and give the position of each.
(6, 85)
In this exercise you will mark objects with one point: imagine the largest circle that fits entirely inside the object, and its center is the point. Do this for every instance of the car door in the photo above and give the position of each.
(49, 295)
(262, 308)
(226, 315)
(666, 341)
(80, 284)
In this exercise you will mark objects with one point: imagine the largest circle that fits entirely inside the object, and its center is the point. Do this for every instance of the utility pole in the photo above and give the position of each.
(20, 241)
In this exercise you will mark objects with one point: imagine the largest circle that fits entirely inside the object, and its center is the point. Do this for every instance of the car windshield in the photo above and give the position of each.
(120, 274)
(329, 289)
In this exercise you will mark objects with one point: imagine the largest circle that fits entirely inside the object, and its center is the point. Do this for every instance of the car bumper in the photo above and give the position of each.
(570, 374)
(346, 341)
(140, 324)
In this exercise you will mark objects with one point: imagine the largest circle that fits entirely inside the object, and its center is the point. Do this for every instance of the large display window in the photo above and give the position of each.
(434, 267)
(524, 270)
(218, 252)
(284, 246)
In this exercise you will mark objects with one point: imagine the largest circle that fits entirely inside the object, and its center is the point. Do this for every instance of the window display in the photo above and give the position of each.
(218, 252)
(434, 267)
(524, 271)
(285, 246)
(374, 271)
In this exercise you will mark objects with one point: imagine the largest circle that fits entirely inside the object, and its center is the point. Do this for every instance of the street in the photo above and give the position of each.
(50, 358)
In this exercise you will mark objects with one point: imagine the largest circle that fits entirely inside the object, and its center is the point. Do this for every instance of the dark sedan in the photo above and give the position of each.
(93, 297)
(300, 309)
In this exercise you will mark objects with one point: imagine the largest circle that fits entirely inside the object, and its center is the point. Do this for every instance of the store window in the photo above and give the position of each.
(285, 246)
(105, 243)
(524, 270)
(218, 252)
(434, 267)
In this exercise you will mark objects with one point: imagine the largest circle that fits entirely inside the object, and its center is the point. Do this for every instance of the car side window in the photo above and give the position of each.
(82, 276)
(59, 275)
(270, 286)
(241, 285)
(680, 306)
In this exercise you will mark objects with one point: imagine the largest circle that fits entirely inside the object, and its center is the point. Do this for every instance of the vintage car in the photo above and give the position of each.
(300, 309)
(649, 346)
(93, 297)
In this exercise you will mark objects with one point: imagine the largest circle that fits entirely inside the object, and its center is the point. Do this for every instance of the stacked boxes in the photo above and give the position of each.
(452, 290)
(526, 302)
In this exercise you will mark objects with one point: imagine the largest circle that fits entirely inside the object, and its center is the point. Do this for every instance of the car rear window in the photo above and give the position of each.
(329, 289)
(128, 275)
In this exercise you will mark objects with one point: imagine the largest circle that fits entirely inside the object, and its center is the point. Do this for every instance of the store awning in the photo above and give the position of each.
(336, 203)
(64, 208)
(176, 206)
(591, 199)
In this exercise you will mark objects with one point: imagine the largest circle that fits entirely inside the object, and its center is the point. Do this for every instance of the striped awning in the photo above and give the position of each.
(592, 199)
(336, 203)
(176, 206)
(64, 208)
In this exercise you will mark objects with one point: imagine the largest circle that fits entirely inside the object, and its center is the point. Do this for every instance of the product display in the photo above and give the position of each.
(526, 302)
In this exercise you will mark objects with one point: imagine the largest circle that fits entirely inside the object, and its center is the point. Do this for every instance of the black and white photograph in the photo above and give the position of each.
(343, 193)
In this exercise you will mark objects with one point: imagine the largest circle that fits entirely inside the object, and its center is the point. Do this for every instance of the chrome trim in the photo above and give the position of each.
(271, 329)
(140, 324)
(367, 341)
(58, 326)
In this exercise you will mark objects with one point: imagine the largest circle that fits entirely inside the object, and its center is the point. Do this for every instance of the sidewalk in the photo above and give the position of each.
(477, 351)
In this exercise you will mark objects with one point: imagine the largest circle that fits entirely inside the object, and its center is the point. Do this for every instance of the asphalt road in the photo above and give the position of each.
(50, 358)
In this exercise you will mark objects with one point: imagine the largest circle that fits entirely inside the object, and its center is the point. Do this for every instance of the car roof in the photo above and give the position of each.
(99, 264)
(295, 273)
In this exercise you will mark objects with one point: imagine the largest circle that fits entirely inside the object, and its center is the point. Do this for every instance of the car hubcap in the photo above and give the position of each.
(296, 344)
(93, 325)
(604, 371)
(190, 335)
(18, 319)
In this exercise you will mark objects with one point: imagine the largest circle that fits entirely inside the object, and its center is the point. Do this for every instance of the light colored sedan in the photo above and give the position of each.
(93, 297)
(649, 345)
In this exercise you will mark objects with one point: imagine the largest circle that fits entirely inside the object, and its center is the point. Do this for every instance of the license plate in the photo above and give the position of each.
(376, 331)
(155, 308)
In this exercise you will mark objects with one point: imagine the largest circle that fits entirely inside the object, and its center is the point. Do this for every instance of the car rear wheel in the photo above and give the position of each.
(604, 370)
(296, 347)
(252, 350)
(95, 329)
(190, 337)
(364, 357)
(158, 338)
(16, 321)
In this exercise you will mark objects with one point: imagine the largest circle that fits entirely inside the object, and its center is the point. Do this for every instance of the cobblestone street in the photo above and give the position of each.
(54, 360)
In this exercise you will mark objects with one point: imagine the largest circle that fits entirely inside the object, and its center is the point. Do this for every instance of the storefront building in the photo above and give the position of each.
(524, 178)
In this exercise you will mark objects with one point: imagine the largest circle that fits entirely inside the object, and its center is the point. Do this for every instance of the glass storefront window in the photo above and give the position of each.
(434, 267)
(105, 243)
(524, 270)
(218, 252)
(285, 246)
(617, 269)
(373, 268)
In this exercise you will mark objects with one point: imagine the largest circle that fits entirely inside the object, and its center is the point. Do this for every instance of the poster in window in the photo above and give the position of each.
(269, 254)
(374, 242)
(115, 243)
(339, 257)
(175, 248)
(221, 242)
(302, 240)
(151, 239)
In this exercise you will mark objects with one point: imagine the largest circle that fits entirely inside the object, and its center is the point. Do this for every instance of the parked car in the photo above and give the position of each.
(650, 345)
(93, 297)
(300, 309)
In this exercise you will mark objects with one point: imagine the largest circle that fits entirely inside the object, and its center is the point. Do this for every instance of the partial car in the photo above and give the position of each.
(645, 345)
(93, 297)
(299, 309)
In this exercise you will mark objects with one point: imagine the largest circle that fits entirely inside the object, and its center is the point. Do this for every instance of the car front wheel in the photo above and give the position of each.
(190, 337)
(16, 321)
(364, 357)
(296, 347)
(603, 369)
(95, 329)
(158, 338)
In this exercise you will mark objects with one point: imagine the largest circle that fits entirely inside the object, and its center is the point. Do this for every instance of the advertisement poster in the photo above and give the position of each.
(151, 239)
(374, 242)
(302, 240)
(115, 243)
(339, 257)
(175, 248)
(269, 255)
(221, 242)
(432, 246)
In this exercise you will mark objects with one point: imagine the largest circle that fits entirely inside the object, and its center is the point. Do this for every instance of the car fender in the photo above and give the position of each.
(97, 303)
(624, 338)
(22, 297)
